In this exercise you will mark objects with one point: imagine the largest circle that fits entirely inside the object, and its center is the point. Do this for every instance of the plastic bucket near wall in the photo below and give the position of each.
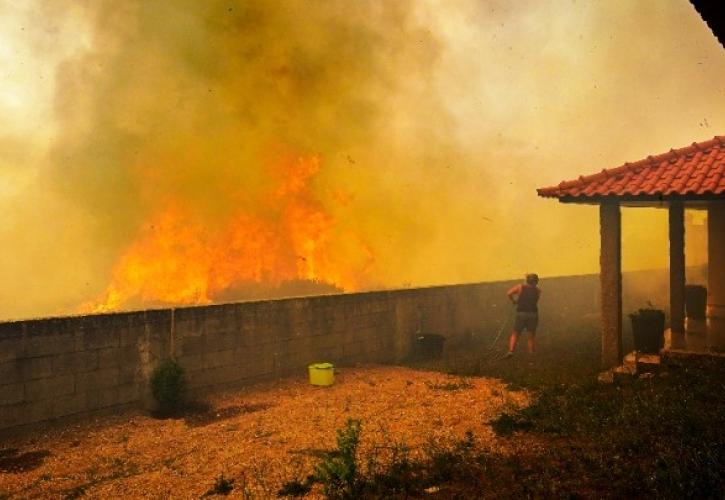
(322, 374)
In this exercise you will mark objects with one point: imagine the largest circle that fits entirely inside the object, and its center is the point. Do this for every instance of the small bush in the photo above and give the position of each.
(338, 471)
(296, 488)
(506, 424)
(168, 386)
(221, 487)
(342, 476)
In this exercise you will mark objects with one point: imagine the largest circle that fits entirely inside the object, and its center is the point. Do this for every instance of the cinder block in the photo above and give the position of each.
(129, 370)
(326, 342)
(260, 334)
(291, 363)
(75, 362)
(226, 374)
(109, 357)
(220, 358)
(128, 375)
(129, 337)
(11, 371)
(212, 376)
(188, 346)
(10, 417)
(50, 342)
(99, 339)
(192, 362)
(107, 397)
(12, 330)
(220, 341)
(99, 379)
(300, 345)
(129, 355)
(37, 411)
(332, 355)
(70, 405)
(186, 326)
(35, 368)
(49, 388)
(259, 362)
(11, 348)
(198, 379)
(12, 393)
(13, 414)
(128, 393)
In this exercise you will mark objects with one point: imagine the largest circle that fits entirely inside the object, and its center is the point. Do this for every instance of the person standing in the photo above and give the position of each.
(525, 296)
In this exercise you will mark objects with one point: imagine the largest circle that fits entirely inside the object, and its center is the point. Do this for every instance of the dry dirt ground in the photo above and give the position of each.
(259, 436)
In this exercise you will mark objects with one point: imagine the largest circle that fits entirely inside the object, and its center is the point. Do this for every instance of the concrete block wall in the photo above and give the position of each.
(56, 367)
(63, 366)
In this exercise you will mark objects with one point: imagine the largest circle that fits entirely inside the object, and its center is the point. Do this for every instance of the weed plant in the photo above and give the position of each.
(222, 486)
(168, 386)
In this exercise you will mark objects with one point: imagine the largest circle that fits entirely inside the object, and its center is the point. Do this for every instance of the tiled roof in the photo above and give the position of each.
(693, 171)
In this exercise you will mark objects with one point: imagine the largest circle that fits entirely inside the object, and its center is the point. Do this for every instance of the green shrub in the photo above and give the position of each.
(168, 386)
(338, 471)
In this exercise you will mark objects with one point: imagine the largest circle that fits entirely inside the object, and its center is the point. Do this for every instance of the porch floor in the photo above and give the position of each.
(702, 336)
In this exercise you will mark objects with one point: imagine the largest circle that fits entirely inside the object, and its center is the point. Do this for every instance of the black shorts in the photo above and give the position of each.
(526, 321)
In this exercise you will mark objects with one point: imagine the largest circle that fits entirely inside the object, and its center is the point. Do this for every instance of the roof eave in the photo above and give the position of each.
(654, 199)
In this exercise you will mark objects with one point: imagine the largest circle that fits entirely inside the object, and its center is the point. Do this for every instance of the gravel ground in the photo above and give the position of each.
(259, 436)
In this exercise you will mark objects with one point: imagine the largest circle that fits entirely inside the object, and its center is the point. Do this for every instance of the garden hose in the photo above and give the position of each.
(490, 351)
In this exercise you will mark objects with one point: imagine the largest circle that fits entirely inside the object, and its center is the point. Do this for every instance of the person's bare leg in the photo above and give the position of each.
(512, 341)
(530, 342)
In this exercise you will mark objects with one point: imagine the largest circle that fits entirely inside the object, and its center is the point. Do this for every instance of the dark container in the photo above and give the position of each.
(695, 301)
(648, 328)
(429, 346)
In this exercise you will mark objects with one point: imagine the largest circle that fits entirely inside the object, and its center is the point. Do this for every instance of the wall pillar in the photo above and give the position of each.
(610, 261)
(677, 267)
(716, 260)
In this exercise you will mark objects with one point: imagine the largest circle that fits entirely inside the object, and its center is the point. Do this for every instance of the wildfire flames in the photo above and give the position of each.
(179, 259)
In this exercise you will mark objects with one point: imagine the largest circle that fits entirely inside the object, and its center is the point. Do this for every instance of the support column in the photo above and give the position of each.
(610, 261)
(677, 267)
(716, 260)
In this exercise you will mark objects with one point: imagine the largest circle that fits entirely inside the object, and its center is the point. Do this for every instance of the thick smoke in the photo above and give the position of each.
(434, 122)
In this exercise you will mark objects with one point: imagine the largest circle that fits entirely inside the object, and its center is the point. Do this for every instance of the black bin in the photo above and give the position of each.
(428, 346)
(695, 301)
(648, 327)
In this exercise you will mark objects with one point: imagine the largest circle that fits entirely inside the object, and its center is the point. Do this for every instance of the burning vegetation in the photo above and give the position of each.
(289, 238)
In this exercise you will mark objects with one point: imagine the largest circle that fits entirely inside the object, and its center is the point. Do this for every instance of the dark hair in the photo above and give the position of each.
(532, 278)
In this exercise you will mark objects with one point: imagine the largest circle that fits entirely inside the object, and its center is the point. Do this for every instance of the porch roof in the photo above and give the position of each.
(695, 172)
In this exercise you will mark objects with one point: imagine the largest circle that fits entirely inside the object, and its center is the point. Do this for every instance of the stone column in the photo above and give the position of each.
(677, 267)
(610, 261)
(716, 260)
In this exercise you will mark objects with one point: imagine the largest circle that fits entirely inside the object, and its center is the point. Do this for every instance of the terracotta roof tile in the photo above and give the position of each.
(695, 170)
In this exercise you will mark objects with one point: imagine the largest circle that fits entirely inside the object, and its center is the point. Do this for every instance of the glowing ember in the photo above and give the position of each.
(178, 259)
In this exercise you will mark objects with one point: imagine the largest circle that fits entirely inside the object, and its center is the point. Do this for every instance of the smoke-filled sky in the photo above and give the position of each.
(415, 134)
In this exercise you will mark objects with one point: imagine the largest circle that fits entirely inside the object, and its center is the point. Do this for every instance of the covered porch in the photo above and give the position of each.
(691, 177)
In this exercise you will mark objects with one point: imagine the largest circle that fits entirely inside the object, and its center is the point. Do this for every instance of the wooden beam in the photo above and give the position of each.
(610, 261)
(677, 267)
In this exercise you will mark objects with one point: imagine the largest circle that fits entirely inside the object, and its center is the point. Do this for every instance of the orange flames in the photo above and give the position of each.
(178, 259)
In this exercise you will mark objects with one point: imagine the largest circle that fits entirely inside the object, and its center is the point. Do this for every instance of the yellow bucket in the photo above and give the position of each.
(322, 373)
